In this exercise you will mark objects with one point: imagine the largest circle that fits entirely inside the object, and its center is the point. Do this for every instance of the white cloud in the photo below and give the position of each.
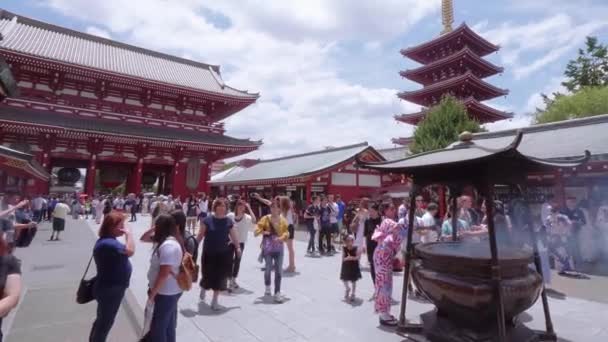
(530, 47)
(96, 31)
(536, 100)
(282, 49)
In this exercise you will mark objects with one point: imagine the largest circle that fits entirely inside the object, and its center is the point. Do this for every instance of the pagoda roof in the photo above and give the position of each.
(476, 110)
(36, 39)
(484, 90)
(483, 67)
(59, 122)
(294, 168)
(477, 43)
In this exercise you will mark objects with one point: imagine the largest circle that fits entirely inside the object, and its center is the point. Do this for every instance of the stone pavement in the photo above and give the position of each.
(315, 310)
(51, 272)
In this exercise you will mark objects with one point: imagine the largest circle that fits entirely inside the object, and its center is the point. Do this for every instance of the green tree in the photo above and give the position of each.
(442, 125)
(589, 69)
(588, 101)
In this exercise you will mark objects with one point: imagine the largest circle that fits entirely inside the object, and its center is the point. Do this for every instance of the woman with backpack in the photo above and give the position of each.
(216, 260)
(275, 231)
(164, 290)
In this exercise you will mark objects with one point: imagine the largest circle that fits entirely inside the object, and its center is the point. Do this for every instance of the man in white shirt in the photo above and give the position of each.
(60, 212)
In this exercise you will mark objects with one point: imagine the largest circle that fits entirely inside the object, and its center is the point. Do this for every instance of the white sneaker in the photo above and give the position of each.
(267, 292)
(278, 298)
(215, 306)
(201, 295)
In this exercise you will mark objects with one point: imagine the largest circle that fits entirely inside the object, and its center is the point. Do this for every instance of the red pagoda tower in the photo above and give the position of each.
(125, 114)
(452, 64)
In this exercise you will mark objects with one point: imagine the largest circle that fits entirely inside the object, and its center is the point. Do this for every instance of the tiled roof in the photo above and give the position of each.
(292, 166)
(111, 127)
(394, 153)
(26, 162)
(484, 91)
(564, 139)
(38, 39)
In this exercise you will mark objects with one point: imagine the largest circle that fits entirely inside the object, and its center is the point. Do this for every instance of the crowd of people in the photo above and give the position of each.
(576, 233)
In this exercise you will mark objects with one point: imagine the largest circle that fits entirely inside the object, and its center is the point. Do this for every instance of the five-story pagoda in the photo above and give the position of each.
(453, 64)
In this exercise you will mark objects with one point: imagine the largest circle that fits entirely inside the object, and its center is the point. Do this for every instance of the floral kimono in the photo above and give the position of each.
(389, 236)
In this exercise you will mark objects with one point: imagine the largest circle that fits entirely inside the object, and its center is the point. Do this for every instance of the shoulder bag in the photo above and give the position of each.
(85, 288)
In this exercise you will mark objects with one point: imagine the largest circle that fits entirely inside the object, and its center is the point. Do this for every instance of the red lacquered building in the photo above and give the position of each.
(123, 113)
(453, 64)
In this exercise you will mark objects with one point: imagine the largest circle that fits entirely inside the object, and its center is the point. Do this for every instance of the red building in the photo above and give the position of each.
(328, 171)
(453, 64)
(125, 114)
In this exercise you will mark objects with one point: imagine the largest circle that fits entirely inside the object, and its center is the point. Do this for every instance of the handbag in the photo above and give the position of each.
(85, 288)
(271, 244)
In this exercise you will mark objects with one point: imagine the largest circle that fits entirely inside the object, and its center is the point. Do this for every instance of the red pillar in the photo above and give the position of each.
(134, 180)
(90, 176)
(178, 178)
(309, 192)
(3, 179)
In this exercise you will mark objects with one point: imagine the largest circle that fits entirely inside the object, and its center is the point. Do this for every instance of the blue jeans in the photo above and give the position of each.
(274, 261)
(108, 303)
(311, 236)
(164, 319)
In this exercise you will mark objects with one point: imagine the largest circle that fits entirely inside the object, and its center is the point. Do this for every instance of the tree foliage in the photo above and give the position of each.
(586, 102)
(442, 125)
(589, 69)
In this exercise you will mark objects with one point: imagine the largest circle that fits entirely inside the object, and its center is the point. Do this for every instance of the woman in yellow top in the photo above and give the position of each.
(274, 231)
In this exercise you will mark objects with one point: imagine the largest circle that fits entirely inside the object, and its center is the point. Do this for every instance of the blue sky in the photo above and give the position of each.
(327, 70)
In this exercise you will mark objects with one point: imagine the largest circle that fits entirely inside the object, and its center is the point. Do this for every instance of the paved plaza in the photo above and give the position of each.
(314, 310)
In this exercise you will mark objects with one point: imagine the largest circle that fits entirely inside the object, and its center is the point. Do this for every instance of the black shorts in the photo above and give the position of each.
(334, 228)
(292, 231)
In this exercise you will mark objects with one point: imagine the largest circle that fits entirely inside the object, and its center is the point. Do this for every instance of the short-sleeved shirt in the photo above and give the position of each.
(446, 227)
(334, 211)
(312, 210)
(243, 226)
(191, 210)
(218, 232)
(9, 264)
(341, 209)
(61, 211)
(168, 253)
(113, 265)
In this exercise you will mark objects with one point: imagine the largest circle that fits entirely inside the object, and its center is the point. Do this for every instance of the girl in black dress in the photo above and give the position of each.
(350, 272)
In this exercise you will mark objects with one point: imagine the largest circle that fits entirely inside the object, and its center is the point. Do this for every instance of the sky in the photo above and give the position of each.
(327, 70)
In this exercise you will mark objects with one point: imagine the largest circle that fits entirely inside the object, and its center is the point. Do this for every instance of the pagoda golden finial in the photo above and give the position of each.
(447, 15)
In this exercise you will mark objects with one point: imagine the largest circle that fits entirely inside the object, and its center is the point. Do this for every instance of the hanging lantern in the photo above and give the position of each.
(148, 178)
(68, 176)
(112, 177)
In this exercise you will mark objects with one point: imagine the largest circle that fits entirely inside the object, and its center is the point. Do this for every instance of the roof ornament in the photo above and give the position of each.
(447, 15)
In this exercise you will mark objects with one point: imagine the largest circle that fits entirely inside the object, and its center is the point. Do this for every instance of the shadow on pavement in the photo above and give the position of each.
(269, 300)
(204, 309)
(555, 294)
(290, 274)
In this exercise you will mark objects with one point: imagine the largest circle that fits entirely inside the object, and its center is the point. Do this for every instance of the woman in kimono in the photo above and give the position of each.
(560, 231)
(389, 236)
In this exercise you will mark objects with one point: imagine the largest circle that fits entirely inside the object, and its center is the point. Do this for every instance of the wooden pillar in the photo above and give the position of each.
(409, 255)
(203, 184)
(442, 202)
(560, 192)
(90, 176)
(178, 174)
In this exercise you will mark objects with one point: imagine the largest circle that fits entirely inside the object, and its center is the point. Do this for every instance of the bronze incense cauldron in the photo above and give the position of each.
(457, 278)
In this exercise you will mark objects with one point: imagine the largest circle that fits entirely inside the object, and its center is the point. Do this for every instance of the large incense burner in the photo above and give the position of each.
(457, 278)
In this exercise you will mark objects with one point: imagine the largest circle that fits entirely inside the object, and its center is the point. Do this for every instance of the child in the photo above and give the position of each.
(350, 272)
